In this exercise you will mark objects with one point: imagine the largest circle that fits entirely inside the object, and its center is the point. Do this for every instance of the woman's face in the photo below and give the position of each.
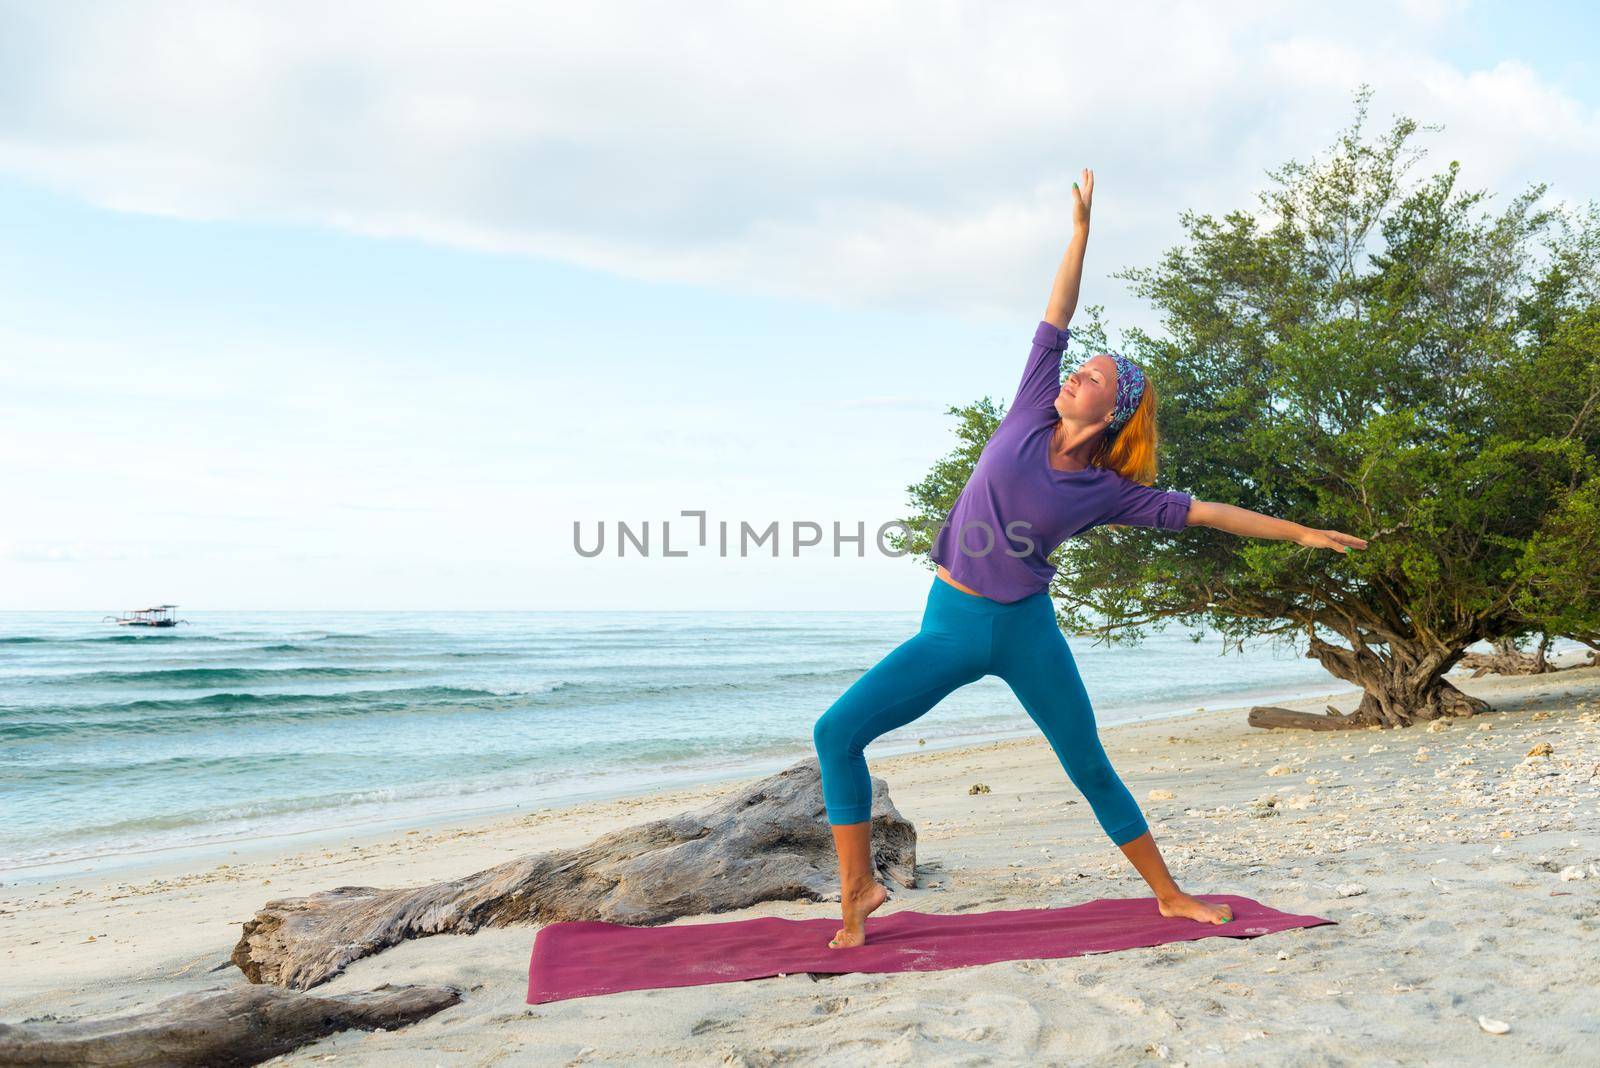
(1089, 395)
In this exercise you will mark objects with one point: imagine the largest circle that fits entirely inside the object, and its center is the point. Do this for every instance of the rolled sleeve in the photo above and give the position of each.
(1041, 376)
(1050, 336)
(1173, 514)
(1138, 505)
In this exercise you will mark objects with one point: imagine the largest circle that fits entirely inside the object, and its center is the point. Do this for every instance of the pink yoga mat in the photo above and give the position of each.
(585, 957)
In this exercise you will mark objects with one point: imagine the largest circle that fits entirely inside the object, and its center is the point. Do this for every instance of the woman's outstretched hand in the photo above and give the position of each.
(1329, 539)
(1082, 199)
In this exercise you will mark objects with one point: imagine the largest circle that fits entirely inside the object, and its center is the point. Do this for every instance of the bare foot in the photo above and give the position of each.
(1194, 909)
(856, 903)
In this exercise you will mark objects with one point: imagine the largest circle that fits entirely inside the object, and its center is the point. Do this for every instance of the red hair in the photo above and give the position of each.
(1131, 451)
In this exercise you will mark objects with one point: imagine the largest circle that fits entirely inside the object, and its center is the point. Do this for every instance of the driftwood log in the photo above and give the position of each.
(1334, 720)
(235, 1025)
(1507, 659)
(768, 841)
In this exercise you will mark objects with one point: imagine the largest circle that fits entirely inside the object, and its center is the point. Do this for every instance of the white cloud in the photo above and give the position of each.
(74, 552)
(895, 155)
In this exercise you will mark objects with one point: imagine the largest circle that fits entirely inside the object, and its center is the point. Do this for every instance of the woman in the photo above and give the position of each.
(1067, 456)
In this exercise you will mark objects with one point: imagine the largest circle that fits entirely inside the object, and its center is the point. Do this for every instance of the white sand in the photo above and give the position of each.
(1466, 851)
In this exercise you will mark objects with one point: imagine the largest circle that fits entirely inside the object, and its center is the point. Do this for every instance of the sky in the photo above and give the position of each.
(365, 306)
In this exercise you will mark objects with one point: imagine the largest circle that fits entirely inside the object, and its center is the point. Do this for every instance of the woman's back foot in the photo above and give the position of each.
(1194, 909)
(856, 903)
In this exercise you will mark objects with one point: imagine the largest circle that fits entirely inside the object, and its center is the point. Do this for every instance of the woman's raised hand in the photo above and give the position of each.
(1082, 198)
(1330, 539)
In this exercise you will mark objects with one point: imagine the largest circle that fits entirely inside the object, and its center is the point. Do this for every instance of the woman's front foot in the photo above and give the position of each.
(856, 902)
(1181, 904)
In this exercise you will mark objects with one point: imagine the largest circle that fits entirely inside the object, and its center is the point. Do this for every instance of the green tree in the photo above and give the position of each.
(1373, 355)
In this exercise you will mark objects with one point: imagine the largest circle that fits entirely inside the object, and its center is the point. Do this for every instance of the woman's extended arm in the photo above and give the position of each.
(1064, 293)
(1248, 524)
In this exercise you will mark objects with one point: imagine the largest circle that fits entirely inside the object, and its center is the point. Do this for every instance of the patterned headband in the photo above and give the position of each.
(1130, 388)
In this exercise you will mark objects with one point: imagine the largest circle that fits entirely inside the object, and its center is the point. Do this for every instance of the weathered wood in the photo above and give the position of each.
(768, 841)
(1507, 659)
(238, 1024)
(1272, 716)
(1404, 685)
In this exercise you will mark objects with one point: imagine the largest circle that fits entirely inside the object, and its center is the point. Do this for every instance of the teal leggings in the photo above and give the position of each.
(963, 638)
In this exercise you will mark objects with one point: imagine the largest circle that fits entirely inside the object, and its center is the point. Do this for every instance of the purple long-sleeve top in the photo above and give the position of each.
(1015, 508)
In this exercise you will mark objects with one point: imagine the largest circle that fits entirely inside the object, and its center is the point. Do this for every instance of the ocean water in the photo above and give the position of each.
(123, 742)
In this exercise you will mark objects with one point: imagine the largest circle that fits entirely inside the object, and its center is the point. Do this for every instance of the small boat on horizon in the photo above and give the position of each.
(159, 616)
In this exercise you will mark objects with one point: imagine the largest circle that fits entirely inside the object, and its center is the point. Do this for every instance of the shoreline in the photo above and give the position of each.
(133, 864)
(224, 823)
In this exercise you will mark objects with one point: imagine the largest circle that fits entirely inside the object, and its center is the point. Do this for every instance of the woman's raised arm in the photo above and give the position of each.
(1248, 524)
(1064, 293)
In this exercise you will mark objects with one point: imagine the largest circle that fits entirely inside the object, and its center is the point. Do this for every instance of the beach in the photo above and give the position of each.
(1463, 873)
